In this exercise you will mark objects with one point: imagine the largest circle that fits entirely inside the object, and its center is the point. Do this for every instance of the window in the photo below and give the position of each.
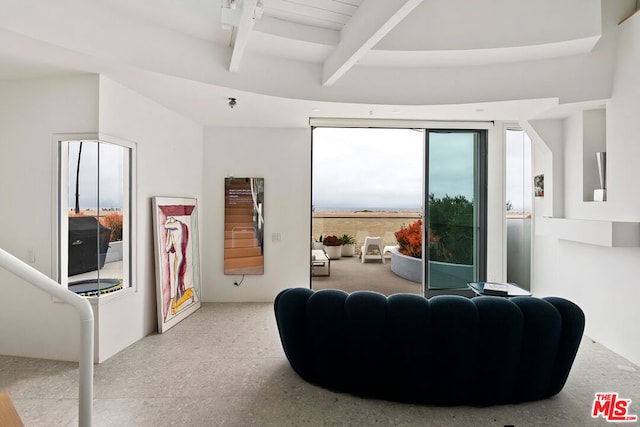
(95, 211)
(519, 206)
(456, 208)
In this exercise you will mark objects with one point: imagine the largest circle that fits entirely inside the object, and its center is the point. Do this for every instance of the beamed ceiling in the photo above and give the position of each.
(288, 60)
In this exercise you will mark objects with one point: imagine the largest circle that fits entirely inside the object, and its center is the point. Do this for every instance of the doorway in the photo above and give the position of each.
(375, 182)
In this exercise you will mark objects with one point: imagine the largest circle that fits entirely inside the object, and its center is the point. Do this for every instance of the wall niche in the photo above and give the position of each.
(594, 139)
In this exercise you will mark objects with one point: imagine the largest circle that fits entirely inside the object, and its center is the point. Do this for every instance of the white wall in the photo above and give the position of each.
(31, 324)
(603, 281)
(283, 158)
(169, 149)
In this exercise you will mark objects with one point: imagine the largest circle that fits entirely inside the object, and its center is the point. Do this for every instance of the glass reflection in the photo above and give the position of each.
(452, 224)
(97, 206)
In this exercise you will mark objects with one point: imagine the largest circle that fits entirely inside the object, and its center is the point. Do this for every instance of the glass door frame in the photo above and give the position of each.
(480, 209)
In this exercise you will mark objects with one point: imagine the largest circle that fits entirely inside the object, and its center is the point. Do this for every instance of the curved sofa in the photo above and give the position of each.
(447, 350)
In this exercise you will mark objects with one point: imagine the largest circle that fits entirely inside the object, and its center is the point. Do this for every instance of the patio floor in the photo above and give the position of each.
(350, 275)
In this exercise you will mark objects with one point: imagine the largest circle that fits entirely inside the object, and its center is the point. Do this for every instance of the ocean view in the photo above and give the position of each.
(363, 209)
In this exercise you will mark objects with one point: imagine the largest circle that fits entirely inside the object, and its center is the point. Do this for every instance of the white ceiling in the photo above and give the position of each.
(327, 39)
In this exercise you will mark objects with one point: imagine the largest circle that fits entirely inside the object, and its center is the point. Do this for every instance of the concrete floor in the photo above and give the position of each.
(350, 275)
(224, 366)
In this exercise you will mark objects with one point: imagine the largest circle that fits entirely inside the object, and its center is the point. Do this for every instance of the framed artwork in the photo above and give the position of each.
(244, 226)
(538, 185)
(177, 253)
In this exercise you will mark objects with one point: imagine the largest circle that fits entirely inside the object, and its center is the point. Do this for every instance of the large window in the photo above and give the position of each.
(95, 215)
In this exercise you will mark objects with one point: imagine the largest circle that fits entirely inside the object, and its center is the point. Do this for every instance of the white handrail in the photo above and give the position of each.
(82, 305)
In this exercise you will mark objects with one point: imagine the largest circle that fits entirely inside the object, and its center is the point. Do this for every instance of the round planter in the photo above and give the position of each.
(333, 252)
(444, 275)
(114, 253)
(349, 249)
(407, 267)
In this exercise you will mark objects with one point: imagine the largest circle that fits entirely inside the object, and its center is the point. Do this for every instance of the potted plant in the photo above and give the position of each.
(332, 246)
(406, 260)
(348, 245)
(410, 239)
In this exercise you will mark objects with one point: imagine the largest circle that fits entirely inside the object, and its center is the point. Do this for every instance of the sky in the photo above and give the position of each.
(111, 175)
(383, 168)
(367, 168)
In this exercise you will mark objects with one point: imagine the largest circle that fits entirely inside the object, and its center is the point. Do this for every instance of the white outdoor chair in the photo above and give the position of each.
(370, 243)
(389, 248)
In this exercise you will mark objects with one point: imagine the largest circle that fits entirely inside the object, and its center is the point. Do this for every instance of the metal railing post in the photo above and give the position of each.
(82, 305)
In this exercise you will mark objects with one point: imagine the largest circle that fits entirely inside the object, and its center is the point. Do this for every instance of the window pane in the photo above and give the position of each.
(96, 208)
(112, 203)
(519, 194)
(83, 244)
(451, 217)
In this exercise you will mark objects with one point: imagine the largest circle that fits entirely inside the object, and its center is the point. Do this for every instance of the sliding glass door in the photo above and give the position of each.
(370, 182)
(455, 232)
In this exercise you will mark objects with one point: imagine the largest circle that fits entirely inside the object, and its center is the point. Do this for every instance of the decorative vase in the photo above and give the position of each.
(349, 249)
(333, 252)
(601, 161)
(600, 194)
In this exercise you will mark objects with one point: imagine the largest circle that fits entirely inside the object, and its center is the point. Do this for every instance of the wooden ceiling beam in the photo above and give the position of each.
(373, 20)
(241, 33)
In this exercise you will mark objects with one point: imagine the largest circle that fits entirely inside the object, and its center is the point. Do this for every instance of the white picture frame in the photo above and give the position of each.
(177, 259)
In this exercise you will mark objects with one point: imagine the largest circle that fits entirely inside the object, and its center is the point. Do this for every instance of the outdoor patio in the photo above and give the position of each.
(350, 275)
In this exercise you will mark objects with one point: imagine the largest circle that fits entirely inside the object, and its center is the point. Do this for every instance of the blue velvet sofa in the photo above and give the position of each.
(447, 350)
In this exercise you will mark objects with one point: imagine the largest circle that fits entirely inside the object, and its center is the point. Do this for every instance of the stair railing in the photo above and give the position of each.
(82, 305)
(257, 207)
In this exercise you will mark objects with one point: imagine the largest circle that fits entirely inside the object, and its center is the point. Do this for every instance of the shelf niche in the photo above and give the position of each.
(612, 234)
(594, 140)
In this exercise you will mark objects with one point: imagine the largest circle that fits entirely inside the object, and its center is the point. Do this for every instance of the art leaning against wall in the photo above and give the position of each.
(177, 253)
(538, 186)
(243, 226)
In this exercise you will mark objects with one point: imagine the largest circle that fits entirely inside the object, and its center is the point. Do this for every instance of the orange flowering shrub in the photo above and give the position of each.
(410, 242)
(113, 222)
(410, 239)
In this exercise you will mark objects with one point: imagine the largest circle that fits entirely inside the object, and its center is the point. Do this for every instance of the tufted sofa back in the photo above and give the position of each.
(447, 350)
